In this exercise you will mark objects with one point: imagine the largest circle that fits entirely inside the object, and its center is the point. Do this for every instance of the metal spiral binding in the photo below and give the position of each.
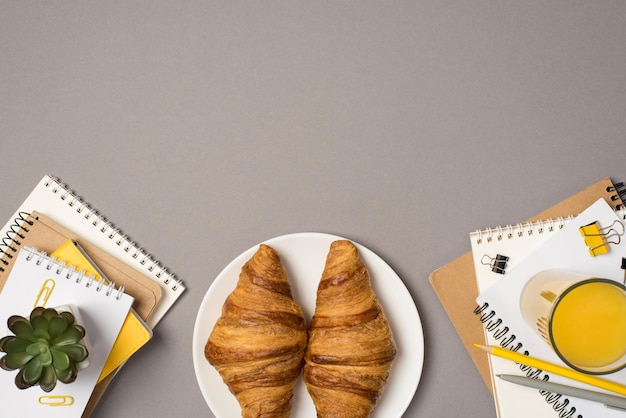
(620, 190)
(519, 230)
(494, 326)
(12, 238)
(112, 232)
(505, 339)
(617, 194)
(78, 276)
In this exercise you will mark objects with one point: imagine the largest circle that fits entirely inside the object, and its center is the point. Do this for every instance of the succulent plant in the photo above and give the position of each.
(46, 348)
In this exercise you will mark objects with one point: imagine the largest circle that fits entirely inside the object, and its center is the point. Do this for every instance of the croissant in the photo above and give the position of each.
(351, 346)
(257, 344)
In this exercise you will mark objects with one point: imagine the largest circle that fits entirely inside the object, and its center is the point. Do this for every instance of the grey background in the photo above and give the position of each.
(202, 128)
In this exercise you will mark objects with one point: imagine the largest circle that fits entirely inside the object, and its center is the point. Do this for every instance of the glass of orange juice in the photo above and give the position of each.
(583, 318)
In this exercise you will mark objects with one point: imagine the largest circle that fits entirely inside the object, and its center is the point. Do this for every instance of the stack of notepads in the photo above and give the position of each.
(481, 293)
(57, 250)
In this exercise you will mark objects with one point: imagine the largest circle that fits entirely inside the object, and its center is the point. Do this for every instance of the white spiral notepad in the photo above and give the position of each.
(496, 252)
(499, 310)
(38, 280)
(58, 202)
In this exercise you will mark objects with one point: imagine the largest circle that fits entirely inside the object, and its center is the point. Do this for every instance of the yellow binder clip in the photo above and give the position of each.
(598, 239)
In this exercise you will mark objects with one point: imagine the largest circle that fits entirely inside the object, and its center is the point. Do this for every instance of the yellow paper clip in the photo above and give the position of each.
(44, 293)
(56, 400)
(598, 239)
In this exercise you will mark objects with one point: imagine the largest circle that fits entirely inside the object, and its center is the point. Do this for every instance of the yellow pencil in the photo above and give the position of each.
(554, 368)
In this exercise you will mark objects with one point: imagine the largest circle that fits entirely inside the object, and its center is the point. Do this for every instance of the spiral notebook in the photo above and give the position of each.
(455, 283)
(58, 202)
(496, 251)
(39, 231)
(38, 280)
(501, 314)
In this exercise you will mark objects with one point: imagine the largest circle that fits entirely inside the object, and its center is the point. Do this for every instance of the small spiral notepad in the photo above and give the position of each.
(498, 250)
(39, 280)
(511, 243)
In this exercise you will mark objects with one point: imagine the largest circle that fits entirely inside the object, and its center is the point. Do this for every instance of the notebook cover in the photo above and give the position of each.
(73, 254)
(134, 333)
(455, 283)
(46, 235)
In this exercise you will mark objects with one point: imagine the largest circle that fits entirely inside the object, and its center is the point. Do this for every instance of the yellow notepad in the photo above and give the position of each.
(134, 333)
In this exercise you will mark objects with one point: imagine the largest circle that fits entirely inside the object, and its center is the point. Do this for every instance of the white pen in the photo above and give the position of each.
(611, 401)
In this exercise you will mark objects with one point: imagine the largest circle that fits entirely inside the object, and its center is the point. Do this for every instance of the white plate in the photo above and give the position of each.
(303, 255)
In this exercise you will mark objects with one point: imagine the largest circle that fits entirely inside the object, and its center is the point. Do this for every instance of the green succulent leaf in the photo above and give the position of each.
(48, 379)
(69, 375)
(69, 317)
(58, 325)
(20, 382)
(40, 323)
(21, 327)
(3, 365)
(41, 334)
(16, 360)
(32, 371)
(76, 352)
(49, 313)
(12, 344)
(4, 341)
(36, 312)
(60, 360)
(45, 358)
(34, 349)
(72, 335)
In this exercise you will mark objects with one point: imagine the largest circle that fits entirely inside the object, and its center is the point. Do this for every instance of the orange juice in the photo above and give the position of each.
(588, 324)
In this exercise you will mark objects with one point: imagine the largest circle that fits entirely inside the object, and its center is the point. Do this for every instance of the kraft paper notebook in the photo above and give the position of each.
(57, 201)
(564, 251)
(38, 280)
(38, 231)
(455, 283)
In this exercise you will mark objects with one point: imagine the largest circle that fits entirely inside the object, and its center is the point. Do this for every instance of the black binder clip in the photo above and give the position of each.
(598, 239)
(497, 264)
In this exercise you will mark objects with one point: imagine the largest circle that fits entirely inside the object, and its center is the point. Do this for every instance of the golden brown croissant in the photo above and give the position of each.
(351, 347)
(257, 344)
